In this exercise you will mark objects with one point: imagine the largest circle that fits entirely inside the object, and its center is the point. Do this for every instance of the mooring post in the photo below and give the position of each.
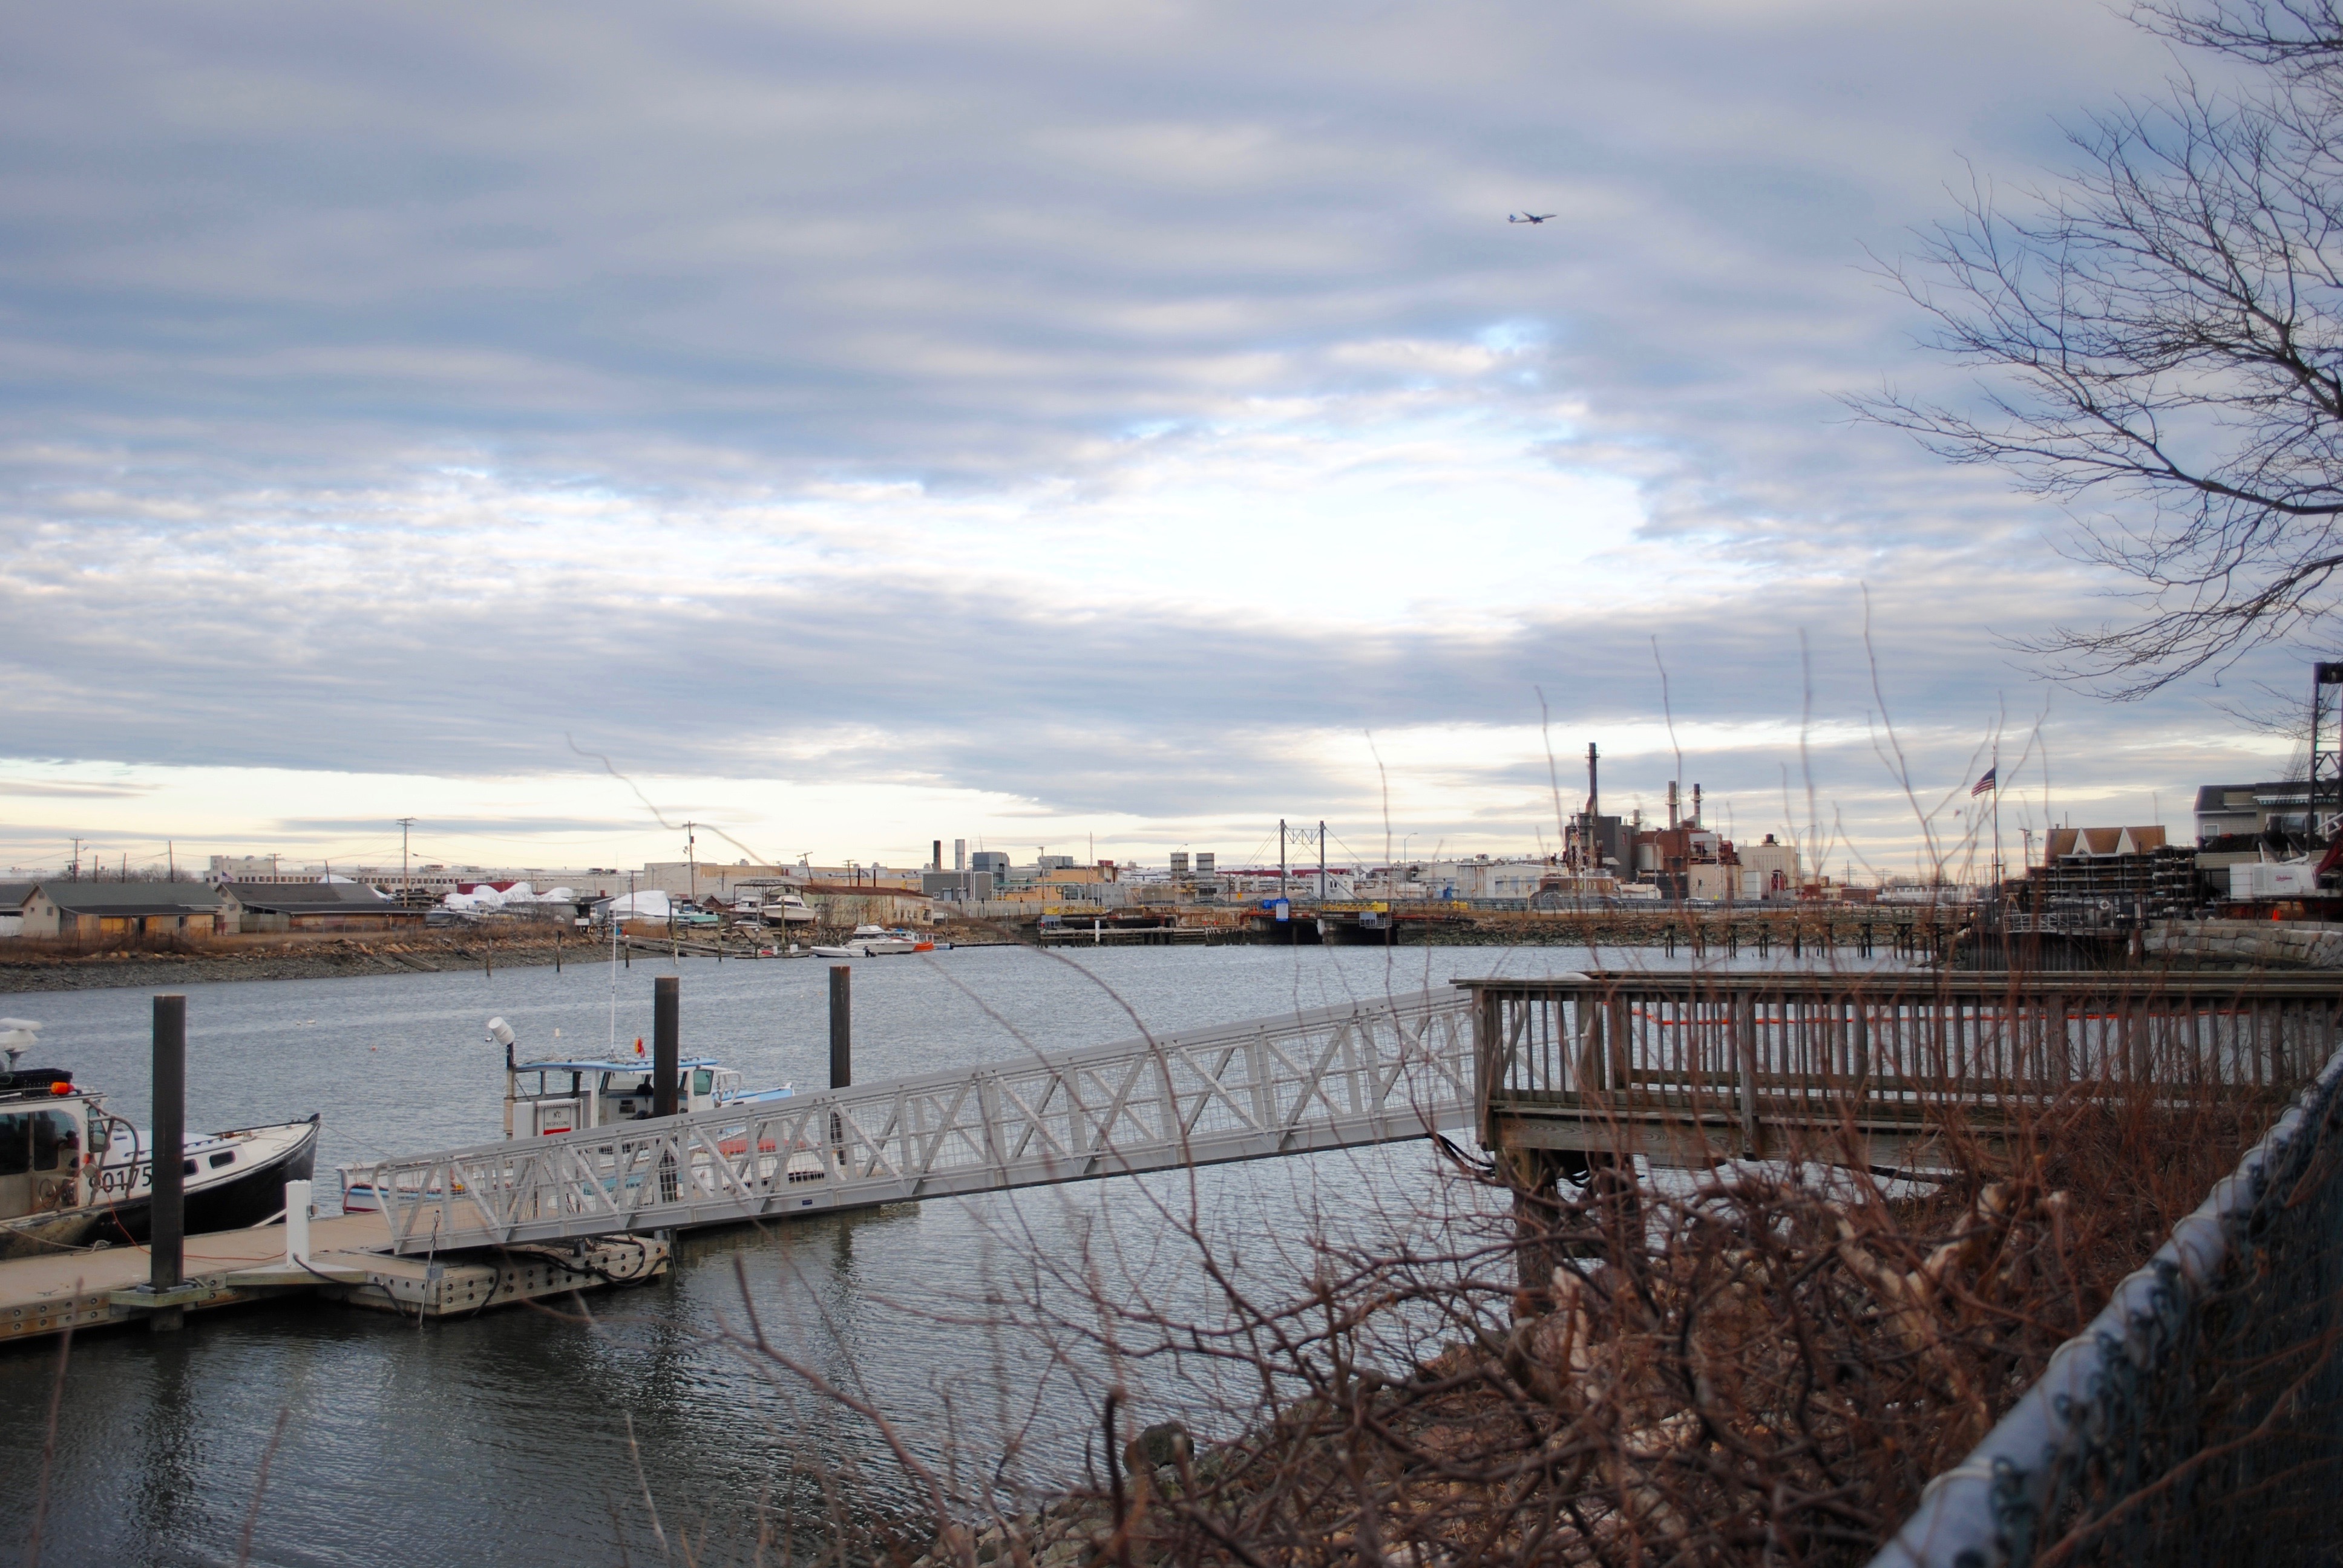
(667, 1043)
(841, 1025)
(297, 1223)
(167, 1221)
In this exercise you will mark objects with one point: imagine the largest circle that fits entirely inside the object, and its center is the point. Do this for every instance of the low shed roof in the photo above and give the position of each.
(131, 897)
(313, 899)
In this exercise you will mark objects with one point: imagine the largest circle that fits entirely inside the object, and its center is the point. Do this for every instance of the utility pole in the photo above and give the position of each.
(405, 885)
(1281, 857)
(691, 859)
(1321, 862)
(76, 861)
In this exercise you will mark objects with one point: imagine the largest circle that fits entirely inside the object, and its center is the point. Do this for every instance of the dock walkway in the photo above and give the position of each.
(350, 1261)
(1374, 1071)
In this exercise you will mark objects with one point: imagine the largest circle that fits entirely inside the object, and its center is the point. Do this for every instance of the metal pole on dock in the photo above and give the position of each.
(167, 1222)
(666, 1043)
(841, 1025)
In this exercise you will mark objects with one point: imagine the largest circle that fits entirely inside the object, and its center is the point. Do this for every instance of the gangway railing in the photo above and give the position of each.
(1373, 1071)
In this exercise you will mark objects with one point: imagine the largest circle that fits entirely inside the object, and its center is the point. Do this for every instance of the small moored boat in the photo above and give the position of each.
(877, 941)
(570, 1094)
(73, 1174)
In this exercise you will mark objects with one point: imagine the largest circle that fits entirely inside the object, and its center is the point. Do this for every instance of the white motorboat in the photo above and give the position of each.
(73, 1174)
(876, 942)
(565, 1096)
(769, 905)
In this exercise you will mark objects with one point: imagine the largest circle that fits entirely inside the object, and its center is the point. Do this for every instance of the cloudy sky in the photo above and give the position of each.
(1112, 424)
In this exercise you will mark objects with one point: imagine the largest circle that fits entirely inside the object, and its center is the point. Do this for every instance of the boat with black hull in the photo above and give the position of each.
(73, 1174)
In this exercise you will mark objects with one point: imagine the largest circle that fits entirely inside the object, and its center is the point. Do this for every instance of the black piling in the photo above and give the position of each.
(841, 1025)
(167, 1232)
(667, 1043)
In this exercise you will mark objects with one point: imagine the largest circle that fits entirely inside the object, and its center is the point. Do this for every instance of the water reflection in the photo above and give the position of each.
(507, 1438)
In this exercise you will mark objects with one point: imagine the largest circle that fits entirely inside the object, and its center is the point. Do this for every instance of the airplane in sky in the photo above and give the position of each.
(1529, 217)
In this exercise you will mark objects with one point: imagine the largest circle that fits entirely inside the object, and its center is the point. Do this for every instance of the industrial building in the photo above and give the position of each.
(312, 906)
(101, 911)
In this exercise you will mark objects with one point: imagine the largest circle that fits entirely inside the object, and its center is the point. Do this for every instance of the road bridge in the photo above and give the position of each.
(1370, 1073)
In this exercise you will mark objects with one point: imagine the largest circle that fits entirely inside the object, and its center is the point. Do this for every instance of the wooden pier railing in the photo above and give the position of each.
(1689, 1067)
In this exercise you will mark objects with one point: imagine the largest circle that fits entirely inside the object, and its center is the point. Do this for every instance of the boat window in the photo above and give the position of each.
(220, 1160)
(186, 1167)
(702, 1081)
(57, 1141)
(15, 1145)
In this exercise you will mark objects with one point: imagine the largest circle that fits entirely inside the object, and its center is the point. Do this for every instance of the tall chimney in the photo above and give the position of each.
(959, 854)
(1672, 805)
(1695, 805)
(936, 859)
(1594, 790)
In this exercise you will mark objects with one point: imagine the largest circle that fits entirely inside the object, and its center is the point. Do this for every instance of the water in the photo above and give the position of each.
(507, 1438)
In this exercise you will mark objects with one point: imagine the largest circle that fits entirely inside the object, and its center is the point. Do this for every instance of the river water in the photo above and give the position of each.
(527, 1436)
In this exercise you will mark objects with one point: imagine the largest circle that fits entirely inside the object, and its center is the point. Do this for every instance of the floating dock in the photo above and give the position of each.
(349, 1261)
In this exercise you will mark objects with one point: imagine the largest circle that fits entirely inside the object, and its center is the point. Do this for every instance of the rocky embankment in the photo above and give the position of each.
(2256, 944)
(29, 967)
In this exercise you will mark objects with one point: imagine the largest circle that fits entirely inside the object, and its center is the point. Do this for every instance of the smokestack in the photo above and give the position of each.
(1695, 805)
(959, 854)
(936, 859)
(1672, 805)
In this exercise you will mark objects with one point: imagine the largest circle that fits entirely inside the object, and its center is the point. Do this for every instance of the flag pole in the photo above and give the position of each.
(1996, 821)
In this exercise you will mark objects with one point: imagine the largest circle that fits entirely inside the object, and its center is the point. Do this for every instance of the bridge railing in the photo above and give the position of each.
(1389, 1068)
(2199, 1418)
(1687, 1066)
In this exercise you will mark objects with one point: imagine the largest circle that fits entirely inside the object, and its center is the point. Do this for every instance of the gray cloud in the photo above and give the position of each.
(445, 826)
(263, 280)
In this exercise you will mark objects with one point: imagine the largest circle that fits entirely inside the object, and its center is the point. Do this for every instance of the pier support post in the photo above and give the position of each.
(167, 1225)
(841, 1025)
(666, 1043)
(297, 1223)
(1601, 1219)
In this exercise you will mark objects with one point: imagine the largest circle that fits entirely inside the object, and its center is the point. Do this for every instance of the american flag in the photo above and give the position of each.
(1986, 783)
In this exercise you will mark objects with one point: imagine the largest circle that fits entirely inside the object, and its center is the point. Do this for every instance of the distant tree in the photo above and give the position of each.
(2159, 343)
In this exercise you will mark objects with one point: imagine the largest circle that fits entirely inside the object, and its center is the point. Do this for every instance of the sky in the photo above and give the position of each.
(1108, 427)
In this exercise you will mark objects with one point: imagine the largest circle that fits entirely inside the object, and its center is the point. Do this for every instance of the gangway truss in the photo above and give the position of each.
(1373, 1071)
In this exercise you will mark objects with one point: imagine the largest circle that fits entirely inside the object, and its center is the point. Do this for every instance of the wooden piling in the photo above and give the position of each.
(841, 1025)
(168, 1221)
(667, 1043)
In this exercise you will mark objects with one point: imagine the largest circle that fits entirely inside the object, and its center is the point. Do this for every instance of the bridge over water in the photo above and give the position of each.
(1334, 1078)
(1679, 1068)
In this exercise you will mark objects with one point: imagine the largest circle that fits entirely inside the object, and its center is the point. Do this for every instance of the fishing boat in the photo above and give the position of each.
(876, 942)
(73, 1175)
(573, 1093)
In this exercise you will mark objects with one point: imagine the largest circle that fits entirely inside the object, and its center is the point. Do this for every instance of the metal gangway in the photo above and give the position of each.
(1370, 1073)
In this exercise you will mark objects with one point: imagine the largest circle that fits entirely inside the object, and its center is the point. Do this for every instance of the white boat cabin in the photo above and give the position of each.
(542, 1097)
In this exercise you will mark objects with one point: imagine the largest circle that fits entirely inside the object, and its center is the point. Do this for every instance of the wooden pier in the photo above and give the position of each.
(350, 1261)
(1693, 1068)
